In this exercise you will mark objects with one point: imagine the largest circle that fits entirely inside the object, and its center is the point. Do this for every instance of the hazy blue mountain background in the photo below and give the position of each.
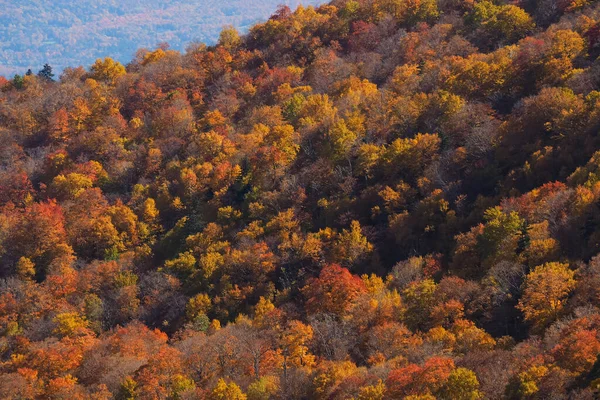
(76, 32)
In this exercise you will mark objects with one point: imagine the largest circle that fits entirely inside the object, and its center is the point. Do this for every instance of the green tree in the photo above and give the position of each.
(46, 73)
(506, 23)
(462, 384)
(229, 38)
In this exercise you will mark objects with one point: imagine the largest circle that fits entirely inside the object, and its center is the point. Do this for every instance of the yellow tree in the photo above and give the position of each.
(352, 246)
(293, 341)
(225, 391)
(107, 70)
(546, 290)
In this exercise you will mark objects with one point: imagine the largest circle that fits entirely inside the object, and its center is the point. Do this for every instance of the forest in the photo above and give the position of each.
(366, 200)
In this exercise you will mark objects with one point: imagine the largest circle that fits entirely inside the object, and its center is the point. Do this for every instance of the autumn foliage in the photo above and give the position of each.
(367, 200)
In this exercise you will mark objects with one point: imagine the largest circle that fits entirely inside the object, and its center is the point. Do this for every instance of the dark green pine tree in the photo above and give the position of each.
(18, 81)
(46, 72)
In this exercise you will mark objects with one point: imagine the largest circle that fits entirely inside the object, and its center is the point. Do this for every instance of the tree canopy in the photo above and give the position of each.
(389, 199)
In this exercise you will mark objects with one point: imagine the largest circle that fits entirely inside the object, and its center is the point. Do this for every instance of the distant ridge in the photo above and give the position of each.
(66, 33)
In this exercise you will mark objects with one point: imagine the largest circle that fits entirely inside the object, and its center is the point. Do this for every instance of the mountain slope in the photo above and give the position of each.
(392, 199)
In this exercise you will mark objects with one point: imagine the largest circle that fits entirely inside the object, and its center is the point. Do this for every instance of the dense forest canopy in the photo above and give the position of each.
(372, 199)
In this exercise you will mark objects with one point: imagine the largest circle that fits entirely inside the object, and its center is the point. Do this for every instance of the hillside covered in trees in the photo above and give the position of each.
(373, 199)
